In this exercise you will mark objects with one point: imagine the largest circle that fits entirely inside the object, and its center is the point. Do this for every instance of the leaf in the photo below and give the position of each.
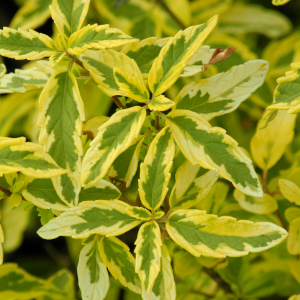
(289, 190)
(293, 240)
(45, 214)
(155, 170)
(113, 138)
(133, 86)
(208, 235)
(295, 297)
(291, 213)
(56, 58)
(160, 103)
(148, 254)
(93, 277)
(192, 185)
(2, 70)
(213, 149)
(224, 92)
(164, 286)
(279, 2)
(269, 144)
(265, 205)
(173, 57)
(31, 15)
(69, 17)
(21, 44)
(91, 126)
(243, 18)
(42, 194)
(120, 262)
(61, 112)
(1, 242)
(139, 213)
(102, 217)
(97, 37)
(28, 158)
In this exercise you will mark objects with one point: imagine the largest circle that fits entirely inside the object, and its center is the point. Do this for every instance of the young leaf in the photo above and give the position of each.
(265, 205)
(2, 70)
(160, 103)
(97, 37)
(164, 286)
(213, 149)
(120, 262)
(148, 254)
(293, 240)
(45, 214)
(289, 190)
(21, 44)
(224, 92)
(61, 112)
(42, 194)
(173, 57)
(269, 144)
(90, 217)
(155, 176)
(69, 17)
(93, 277)
(139, 213)
(56, 58)
(192, 185)
(133, 86)
(208, 235)
(113, 138)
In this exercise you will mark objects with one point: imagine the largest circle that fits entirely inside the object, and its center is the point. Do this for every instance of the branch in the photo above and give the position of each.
(6, 191)
(118, 102)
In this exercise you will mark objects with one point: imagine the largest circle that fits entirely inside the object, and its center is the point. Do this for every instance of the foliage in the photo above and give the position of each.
(166, 162)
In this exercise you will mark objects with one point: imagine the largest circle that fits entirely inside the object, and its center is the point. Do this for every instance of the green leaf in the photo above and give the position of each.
(90, 217)
(289, 190)
(208, 235)
(28, 158)
(139, 213)
(173, 57)
(224, 92)
(60, 117)
(45, 214)
(120, 262)
(56, 58)
(148, 254)
(69, 15)
(192, 185)
(113, 138)
(21, 44)
(160, 103)
(93, 277)
(213, 149)
(293, 240)
(2, 70)
(279, 2)
(97, 37)
(155, 176)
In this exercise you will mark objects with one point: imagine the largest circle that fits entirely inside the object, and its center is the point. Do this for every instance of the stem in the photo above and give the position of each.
(6, 191)
(138, 201)
(76, 60)
(157, 123)
(89, 133)
(275, 192)
(148, 133)
(166, 205)
(164, 234)
(280, 219)
(264, 181)
(118, 102)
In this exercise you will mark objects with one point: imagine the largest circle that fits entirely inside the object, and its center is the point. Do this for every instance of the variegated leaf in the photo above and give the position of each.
(103, 190)
(133, 86)
(93, 277)
(224, 92)
(269, 144)
(113, 138)
(208, 235)
(41, 193)
(97, 37)
(28, 158)
(120, 262)
(102, 217)
(213, 149)
(61, 112)
(148, 254)
(56, 58)
(173, 57)
(155, 176)
(101, 64)
(126, 164)
(289, 190)
(69, 16)
(193, 184)
(263, 205)
(164, 286)
(293, 240)
(139, 213)
(2, 70)
(160, 103)
(21, 44)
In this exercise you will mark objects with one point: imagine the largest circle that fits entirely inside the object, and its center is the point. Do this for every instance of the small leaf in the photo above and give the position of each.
(91, 127)
(15, 199)
(160, 103)
(289, 190)
(56, 58)
(293, 240)
(45, 214)
(139, 213)
(2, 70)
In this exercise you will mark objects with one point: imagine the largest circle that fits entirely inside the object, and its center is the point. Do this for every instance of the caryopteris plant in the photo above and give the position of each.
(78, 175)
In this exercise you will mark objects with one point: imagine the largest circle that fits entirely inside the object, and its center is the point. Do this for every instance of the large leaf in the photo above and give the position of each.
(208, 235)
(120, 262)
(93, 277)
(21, 44)
(155, 170)
(90, 217)
(173, 57)
(113, 138)
(213, 149)
(61, 112)
(148, 254)
(224, 92)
